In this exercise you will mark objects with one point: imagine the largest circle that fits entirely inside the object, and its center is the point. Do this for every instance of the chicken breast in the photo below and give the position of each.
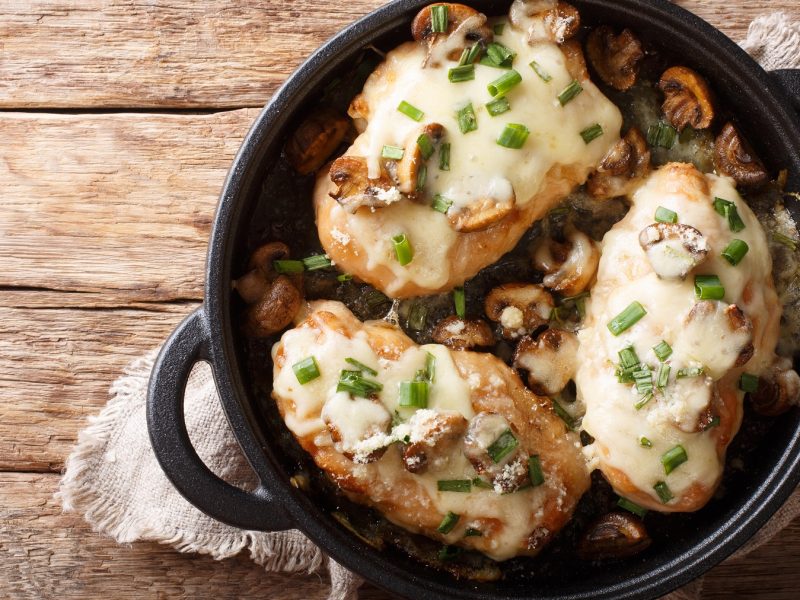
(663, 416)
(477, 461)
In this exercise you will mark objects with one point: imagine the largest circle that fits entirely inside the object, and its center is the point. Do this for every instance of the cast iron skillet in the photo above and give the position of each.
(763, 106)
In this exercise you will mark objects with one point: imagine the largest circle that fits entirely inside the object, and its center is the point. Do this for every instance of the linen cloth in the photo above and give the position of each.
(114, 480)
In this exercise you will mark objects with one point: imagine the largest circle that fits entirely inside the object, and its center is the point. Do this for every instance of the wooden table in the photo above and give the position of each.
(119, 120)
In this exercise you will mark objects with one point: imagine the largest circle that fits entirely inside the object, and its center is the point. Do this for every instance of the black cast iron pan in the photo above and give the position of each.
(763, 105)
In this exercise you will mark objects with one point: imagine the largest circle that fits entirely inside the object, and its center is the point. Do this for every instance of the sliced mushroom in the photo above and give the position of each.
(315, 139)
(569, 266)
(673, 249)
(463, 334)
(431, 435)
(550, 360)
(734, 157)
(615, 535)
(574, 60)
(623, 168)
(354, 187)
(778, 389)
(487, 433)
(480, 214)
(413, 158)
(615, 57)
(358, 426)
(465, 26)
(563, 22)
(687, 99)
(521, 308)
(551, 20)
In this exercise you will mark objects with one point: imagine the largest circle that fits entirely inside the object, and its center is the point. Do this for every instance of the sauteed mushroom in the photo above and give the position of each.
(615, 535)
(492, 447)
(574, 59)
(479, 215)
(687, 99)
(728, 324)
(358, 426)
(561, 20)
(569, 266)
(625, 165)
(520, 308)
(462, 334)
(673, 249)
(430, 435)
(778, 389)
(315, 140)
(550, 360)
(734, 157)
(615, 57)
(461, 21)
(355, 188)
(414, 156)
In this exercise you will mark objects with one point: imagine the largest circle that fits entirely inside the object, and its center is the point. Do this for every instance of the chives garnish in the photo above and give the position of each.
(481, 483)
(663, 491)
(403, 249)
(449, 552)
(430, 367)
(288, 266)
(472, 532)
(562, 414)
(632, 507)
(460, 302)
(444, 157)
(674, 458)
(466, 119)
(665, 215)
(643, 401)
(414, 393)
(344, 277)
(663, 375)
(592, 133)
(790, 243)
(503, 84)
(500, 55)
(727, 209)
(748, 382)
(628, 363)
(356, 384)
(439, 18)
(661, 134)
(535, 470)
(412, 112)
(448, 523)
(306, 370)
(569, 92)
(708, 287)
(627, 318)
(498, 106)
(375, 299)
(513, 136)
(317, 262)
(735, 251)
(441, 204)
(392, 152)
(454, 485)
(461, 73)
(643, 379)
(689, 372)
(422, 176)
(543, 75)
(502, 446)
(361, 366)
(662, 350)
(469, 55)
(425, 146)
(645, 442)
(714, 422)
(498, 28)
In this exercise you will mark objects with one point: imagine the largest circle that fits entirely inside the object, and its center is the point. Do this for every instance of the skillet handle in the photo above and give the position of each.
(789, 80)
(259, 509)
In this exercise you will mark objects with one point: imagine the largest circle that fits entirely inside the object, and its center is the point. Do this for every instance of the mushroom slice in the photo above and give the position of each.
(354, 187)
(673, 249)
(253, 284)
(430, 436)
(734, 157)
(480, 214)
(491, 445)
(569, 266)
(687, 99)
(615, 535)
(315, 140)
(574, 60)
(778, 389)
(563, 22)
(414, 156)
(615, 57)
(623, 168)
(549, 360)
(465, 26)
(520, 308)
(462, 334)
(275, 309)
(359, 427)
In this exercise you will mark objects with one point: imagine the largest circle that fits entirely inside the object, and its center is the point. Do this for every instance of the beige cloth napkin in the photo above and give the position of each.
(113, 479)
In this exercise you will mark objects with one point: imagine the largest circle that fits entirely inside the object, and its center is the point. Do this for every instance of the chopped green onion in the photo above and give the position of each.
(430, 367)
(414, 393)
(500, 55)
(418, 316)
(403, 249)
(439, 18)
(344, 277)
(663, 375)
(562, 414)
(392, 152)
(449, 552)
(661, 134)
(592, 133)
(628, 363)
(317, 262)
(748, 382)
(498, 28)
(513, 136)
(645, 442)
(425, 146)
(498, 106)
(444, 157)
(375, 299)
(502, 446)
(306, 370)
(689, 372)
(790, 243)
(488, 62)
(663, 491)
(643, 379)
(472, 532)
(461, 73)
(665, 215)
(361, 366)
(543, 75)
(466, 119)
(441, 204)
(714, 422)
(735, 251)
(482, 483)
(708, 287)
(448, 523)
(632, 507)
(535, 470)
(727, 209)
(469, 55)
(289, 266)
(640, 404)
(460, 302)
(454, 485)
(422, 176)
(662, 350)
(569, 92)
(353, 382)
(674, 458)
(627, 318)
(503, 84)
(412, 112)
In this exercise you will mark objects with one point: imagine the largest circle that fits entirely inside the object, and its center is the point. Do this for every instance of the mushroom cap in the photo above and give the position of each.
(614, 535)
(615, 57)
(734, 157)
(463, 334)
(687, 98)
(313, 142)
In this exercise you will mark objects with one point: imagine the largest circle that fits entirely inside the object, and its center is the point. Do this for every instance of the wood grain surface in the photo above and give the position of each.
(104, 221)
